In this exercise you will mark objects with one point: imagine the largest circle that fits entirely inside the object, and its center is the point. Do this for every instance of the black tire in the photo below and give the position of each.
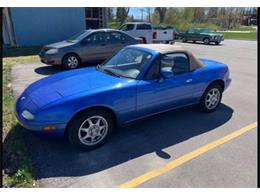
(71, 61)
(206, 41)
(144, 40)
(74, 133)
(184, 39)
(217, 43)
(203, 99)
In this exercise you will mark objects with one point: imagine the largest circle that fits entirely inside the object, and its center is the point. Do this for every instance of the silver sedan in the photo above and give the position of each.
(86, 46)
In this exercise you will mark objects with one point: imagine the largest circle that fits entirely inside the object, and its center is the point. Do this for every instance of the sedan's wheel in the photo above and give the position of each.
(90, 129)
(211, 98)
(71, 61)
(206, 41)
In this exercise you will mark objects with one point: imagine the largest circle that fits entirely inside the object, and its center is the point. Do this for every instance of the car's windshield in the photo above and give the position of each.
(128, 63)
(127, 27)
(79, 36)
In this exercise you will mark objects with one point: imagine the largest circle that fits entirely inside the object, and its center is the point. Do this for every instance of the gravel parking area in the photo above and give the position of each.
(146, 145)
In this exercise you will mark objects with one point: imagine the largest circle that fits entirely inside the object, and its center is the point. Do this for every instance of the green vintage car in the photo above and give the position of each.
(201, 34)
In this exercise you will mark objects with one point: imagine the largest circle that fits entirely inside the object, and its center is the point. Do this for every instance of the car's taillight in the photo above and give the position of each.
(154, 35)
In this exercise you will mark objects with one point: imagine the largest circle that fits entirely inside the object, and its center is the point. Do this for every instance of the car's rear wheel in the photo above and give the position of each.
(206, 41)
(211, 98)
(90, 129)
(71, 61)
(184, 39)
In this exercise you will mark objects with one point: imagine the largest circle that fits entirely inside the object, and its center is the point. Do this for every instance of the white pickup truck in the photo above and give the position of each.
(147, 33)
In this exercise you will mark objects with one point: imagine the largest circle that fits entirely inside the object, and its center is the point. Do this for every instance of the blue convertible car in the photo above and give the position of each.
(140, 80)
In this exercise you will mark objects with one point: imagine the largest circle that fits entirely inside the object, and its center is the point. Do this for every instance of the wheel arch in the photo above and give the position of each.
(219, 82)
(144, 39)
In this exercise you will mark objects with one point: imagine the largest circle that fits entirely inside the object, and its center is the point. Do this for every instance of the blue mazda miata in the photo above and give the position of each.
(139, 81)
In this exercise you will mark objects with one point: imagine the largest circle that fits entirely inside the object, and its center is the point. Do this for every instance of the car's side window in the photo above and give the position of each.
(116, 37)
(143, 27)
(177, 63)
(154, 71)
(95, 39)
(191, 31)
(127, 27)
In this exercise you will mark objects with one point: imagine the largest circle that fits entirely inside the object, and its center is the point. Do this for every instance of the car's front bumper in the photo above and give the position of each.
(227, 83)
(37, 126)
(51, 59)
(217, 39)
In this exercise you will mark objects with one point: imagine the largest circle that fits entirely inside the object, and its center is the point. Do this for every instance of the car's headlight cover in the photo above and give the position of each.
(27, 115)
(52, 51)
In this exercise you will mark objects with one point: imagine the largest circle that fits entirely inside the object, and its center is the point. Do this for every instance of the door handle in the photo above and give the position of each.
(188, 80)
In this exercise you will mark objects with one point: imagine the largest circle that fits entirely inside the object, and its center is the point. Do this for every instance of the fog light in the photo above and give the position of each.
(49, 128)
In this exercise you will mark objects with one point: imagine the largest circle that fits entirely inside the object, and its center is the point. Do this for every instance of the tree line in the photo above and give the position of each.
(183, 18)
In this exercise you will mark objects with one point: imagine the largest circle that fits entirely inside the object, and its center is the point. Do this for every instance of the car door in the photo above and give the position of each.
(177, 88)
(190, 35)
(196, 35)
(94, 47)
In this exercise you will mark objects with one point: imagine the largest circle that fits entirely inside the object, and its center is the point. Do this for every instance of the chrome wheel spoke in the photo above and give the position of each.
(84, 129)
(90, 122)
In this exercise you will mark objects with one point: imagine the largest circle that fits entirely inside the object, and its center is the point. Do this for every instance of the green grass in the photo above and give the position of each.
(18, 169)
(240, 36)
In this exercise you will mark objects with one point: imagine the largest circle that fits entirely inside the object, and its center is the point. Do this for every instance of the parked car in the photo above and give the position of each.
(139, 81)
(164, 34)
(148, 33)
(201, 34)
(142, 30)
(86, 46)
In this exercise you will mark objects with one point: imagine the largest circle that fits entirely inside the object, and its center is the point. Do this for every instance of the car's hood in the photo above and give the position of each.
(55, 87)
(60, 44)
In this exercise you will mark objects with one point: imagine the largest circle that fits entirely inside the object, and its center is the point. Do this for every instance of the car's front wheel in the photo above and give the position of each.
(71, 61)
(90, 129)
(206, 41)
(211, 98)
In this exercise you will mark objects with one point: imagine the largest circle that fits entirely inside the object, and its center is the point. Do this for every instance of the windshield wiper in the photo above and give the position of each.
(110, 72)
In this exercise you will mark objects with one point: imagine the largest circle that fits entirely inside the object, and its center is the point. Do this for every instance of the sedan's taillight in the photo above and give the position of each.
(154, 35)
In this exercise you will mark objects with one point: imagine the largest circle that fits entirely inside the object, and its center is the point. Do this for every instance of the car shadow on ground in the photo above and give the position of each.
(49, 69)
(199, 43)
(57, 158)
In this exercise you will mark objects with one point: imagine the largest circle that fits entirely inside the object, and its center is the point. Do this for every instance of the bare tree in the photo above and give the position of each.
(121, 14)
(149, 10)
(162, 12)
(199, 14)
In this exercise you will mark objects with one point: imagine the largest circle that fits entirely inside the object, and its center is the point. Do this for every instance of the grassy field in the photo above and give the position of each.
(18, 169)
(240, 36)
